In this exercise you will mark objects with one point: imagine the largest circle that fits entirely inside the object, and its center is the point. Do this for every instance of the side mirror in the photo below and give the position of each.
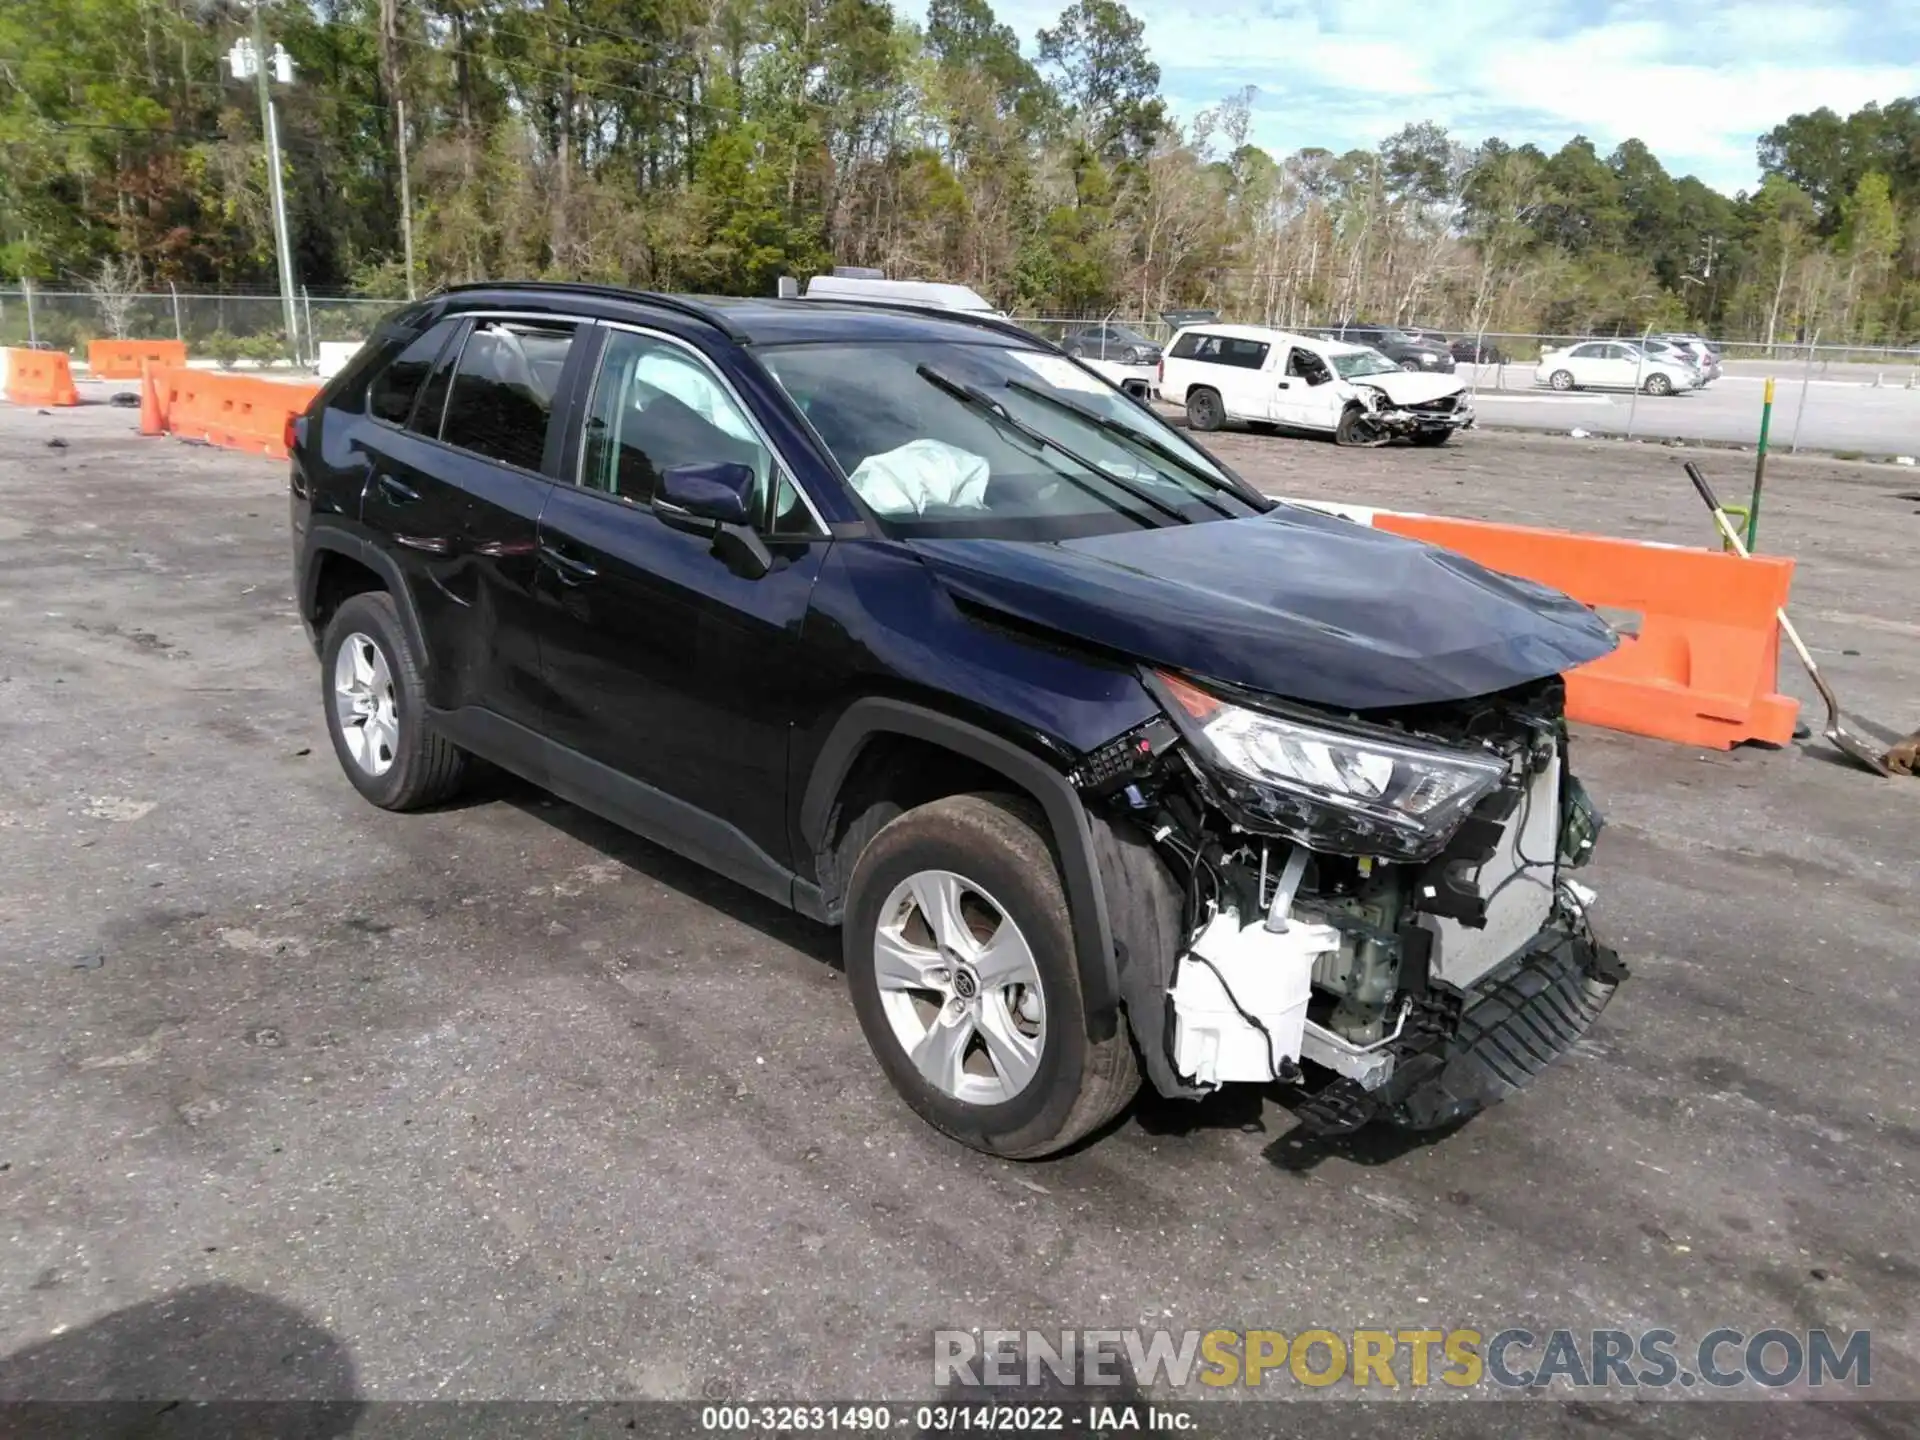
(722, 493)
(716, 500)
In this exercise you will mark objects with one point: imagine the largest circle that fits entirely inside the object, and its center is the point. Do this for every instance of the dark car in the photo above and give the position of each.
(1407, 351)
(1119, 343)
(1104, 763)
(1468, 351)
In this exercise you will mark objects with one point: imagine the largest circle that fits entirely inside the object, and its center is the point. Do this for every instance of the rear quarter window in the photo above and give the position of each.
(1221, 350)
(393, 391)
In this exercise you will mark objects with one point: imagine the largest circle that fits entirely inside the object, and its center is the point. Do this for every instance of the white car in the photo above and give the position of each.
(1260, 376)
(1703, 353)
(1613, 365)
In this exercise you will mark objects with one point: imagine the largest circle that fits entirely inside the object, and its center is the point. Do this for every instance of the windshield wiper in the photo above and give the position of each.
(1146, 442)
(976, 399)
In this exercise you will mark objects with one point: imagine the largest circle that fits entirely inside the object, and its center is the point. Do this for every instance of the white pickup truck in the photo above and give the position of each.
(1271, 377)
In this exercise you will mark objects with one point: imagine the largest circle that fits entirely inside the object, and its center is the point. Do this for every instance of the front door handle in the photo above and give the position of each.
(398, 492)
(570, 569)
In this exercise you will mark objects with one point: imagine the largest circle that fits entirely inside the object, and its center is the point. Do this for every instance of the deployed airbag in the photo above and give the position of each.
(919, 475)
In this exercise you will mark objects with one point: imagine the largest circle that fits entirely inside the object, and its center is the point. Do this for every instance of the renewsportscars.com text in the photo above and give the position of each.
(1510, 1358)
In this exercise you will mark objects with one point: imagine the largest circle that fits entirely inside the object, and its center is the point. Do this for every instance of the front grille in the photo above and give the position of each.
(1443, 406)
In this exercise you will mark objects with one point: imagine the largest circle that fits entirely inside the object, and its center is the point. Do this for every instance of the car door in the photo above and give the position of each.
(1304, 395)
(458, 493)
(1588, 363)
(673, 680)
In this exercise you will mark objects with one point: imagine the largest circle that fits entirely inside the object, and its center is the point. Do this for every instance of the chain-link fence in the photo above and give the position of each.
(229, 329)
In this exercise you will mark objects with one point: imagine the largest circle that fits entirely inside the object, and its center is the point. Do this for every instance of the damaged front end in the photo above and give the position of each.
(1387, 900)
(1392, 419)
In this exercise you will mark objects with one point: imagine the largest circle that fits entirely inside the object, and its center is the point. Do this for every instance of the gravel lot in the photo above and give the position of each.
(500, 1102)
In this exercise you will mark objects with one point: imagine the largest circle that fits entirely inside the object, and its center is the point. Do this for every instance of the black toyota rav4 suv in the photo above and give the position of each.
(1104, 763)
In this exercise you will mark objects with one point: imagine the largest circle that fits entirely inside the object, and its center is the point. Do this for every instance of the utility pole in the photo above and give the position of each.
(406, 193)
(257, 61)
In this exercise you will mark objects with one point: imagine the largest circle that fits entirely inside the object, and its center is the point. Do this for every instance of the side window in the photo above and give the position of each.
(1245, 354)
(503, 387)
(432, 409)
(656, 406)
(391, 395)
(1308, 366)
(1187, 347)
(1587, 352)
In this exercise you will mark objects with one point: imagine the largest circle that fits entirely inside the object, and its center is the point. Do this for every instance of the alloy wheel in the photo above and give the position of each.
(959, 987)
(363, 703)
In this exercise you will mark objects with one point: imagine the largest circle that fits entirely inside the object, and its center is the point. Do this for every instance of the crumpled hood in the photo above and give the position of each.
(1412, 387)
(1297, 604)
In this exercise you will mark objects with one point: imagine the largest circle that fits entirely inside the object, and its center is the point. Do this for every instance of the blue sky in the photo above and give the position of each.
(1698, 80)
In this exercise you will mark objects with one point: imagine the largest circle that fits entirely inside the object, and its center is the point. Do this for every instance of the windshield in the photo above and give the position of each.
(914, 427)
(1362, 362)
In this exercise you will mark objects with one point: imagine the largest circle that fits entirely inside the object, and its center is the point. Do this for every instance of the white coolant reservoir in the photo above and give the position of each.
(1270, 976)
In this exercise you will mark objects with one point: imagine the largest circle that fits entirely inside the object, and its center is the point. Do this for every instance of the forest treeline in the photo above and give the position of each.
(714, 145)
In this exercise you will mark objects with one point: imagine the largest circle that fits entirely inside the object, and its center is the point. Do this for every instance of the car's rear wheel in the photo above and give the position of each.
(1561, 380)
(1204, 410)
(1413, 365)
(960, 956)
(1659, 385)
(376, 709)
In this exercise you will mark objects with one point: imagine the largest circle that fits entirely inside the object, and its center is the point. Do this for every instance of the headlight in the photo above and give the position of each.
(1351, 792)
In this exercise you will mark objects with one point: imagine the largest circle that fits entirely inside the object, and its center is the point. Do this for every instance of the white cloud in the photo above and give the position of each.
(1697, 80)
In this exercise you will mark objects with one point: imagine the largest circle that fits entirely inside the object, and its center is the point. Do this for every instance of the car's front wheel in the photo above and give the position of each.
(376, 709)
(960, 956)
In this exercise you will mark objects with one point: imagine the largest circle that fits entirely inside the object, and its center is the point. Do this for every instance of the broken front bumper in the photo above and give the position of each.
(1410, 420)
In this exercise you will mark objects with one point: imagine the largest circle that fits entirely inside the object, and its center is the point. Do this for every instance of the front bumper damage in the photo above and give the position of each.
(1411, 991)
(1392, 420)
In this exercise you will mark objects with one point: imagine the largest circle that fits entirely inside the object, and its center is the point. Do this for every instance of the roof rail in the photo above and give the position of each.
(679, 304)
(968, 317)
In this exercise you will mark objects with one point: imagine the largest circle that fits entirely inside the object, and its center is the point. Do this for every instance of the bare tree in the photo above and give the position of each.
(115, 287)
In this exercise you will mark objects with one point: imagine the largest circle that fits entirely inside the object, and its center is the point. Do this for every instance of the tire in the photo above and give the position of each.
(1410, 365)
(1352, 429)
(1658, 385)
(995, 852)
(1561, 380)
(1431, 438)
(1204, 410)
(397, 762)
(1075, 351)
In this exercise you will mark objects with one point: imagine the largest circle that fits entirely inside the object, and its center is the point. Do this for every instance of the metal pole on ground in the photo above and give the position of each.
(1806, 379)
(1759, 467)
(179, 331)
(33, 334)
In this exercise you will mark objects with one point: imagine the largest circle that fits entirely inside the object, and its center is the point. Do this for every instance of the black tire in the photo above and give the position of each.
(1658, 385)
(1412, 365)
(426, 767)
(1000, 843)
(1353, 428)
(1431, 438)
(1204, 409)
(1562, 380)
(1075, 351)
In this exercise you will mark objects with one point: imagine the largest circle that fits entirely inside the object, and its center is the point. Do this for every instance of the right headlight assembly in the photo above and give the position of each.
(1342, 791)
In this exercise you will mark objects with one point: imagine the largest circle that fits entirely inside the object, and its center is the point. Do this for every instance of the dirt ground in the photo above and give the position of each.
(498, 1102)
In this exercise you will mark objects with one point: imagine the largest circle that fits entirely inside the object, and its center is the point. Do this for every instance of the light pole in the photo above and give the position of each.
(249, 60)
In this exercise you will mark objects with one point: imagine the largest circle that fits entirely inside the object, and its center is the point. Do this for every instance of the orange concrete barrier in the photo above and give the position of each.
(237, 412)
(121, 359)
(40, 377)
(1704, 663)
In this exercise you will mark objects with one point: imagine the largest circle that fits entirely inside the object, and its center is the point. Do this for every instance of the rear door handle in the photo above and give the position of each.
(571, 569)
(398, 492)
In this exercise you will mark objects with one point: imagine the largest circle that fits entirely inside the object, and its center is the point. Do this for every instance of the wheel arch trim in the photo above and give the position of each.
(1066, 818)
(323, 538)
